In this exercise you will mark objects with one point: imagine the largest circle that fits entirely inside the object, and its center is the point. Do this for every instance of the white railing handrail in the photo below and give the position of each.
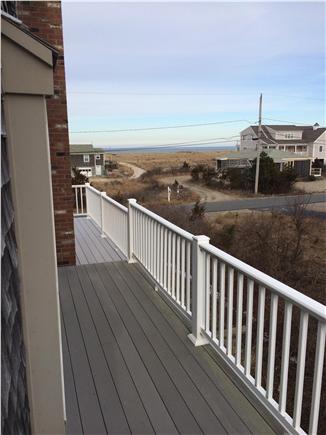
(294, 296)
(114, 202)
(78, 185)
(185, 234)
(97, 192)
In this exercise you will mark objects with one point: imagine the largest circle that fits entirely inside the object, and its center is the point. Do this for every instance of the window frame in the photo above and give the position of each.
(86, 158)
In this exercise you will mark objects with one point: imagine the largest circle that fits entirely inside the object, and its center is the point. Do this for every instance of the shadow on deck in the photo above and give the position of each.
(90, 246)
(129, 366)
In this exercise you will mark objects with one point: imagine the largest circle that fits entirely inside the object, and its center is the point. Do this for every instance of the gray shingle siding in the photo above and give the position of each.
(15, 418)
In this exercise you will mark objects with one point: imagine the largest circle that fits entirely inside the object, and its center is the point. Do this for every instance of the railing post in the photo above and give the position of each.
(198, 291)
(131, 201)
(86, 190)
(103, 235)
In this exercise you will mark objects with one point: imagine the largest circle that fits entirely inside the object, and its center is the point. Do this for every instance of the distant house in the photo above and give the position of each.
(307, 141)
(86, 158)
(244, 159)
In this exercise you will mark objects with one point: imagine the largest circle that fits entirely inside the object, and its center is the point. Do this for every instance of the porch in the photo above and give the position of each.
(129, 330)
(129, 366)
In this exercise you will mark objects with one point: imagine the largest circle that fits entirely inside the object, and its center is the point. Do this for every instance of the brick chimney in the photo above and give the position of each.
(44, 18)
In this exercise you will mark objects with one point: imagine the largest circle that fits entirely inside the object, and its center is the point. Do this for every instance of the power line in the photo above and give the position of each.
(185, 144)
(160, 128)
(287, 122)
(188, 94)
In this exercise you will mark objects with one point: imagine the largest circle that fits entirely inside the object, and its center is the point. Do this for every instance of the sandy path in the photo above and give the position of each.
(137, 170)
(312, 186)
(205, 194)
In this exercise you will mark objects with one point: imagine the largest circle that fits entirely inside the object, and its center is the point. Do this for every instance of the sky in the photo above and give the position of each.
(143, 65)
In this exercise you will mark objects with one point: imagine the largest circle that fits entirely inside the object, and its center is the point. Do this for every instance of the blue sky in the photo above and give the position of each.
(135, 65)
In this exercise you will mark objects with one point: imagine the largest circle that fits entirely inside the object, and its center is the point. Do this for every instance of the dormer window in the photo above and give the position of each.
(288, 135)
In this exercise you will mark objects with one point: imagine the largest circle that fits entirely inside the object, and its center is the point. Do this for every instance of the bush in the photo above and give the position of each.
(78, 177)
(271, 179)
(198, 211)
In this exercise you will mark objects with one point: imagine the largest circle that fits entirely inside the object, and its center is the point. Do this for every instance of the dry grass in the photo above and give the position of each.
(166, 160)
(145, 191)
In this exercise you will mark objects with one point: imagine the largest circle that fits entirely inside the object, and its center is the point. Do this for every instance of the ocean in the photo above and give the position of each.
(168, 149)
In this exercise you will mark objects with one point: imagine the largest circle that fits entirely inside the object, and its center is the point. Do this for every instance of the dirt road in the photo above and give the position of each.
(137, 170)
(205, 194)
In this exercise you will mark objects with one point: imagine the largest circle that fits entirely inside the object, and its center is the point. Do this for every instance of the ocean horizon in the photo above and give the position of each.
(168, 149)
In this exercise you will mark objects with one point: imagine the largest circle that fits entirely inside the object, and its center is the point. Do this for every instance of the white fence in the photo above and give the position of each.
(245, 315)
(316, 172)
(79, 199)
(109, 215)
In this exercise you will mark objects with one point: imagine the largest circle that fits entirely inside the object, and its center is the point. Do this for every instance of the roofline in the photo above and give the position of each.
(20, 35)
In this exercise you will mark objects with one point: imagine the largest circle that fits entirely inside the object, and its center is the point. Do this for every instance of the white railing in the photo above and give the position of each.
(94, 204)
(228, 324)
(115, 222)
(248, 317)
(165, 251)
(109, 215)
(316, 172)
(79, 199)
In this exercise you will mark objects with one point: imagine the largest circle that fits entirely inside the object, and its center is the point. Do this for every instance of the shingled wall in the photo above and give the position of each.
(14, 400)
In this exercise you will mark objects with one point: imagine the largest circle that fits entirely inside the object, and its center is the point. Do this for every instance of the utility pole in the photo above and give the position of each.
(258, 145)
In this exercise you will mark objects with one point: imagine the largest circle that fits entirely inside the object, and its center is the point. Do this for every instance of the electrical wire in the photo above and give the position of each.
(161, 127)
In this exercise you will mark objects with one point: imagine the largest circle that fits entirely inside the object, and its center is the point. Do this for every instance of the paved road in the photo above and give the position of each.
(263, 203)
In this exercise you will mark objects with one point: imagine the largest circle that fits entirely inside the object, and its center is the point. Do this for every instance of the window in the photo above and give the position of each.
(281, 148)
(98, 157)
(288, 135)
(86, 158)
(320, 149)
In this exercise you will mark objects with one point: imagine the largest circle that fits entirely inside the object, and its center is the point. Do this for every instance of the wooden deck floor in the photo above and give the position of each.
(90, 246)
(129, 366)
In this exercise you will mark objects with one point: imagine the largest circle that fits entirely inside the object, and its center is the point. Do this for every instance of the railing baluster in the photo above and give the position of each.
(178, 273)
(207, 291)
(76, 196)
(183, 259)
(169, 261)
(81, 199)
(260, 335)
(188, 272)
(250, 294)
(304, 317)
(285, 356)
(271, 347)
(230, 309)
(173, 265)
(318, 374)
(239, 319)
(165, 259)
(161, 253)
(214, 297)
(222, 303)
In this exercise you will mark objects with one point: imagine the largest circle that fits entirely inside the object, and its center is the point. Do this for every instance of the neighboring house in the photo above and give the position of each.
(307, 141)
(244, 159)
(86, 158)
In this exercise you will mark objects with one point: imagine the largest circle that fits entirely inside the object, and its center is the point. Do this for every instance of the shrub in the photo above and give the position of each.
(198, 211)
(78, 177)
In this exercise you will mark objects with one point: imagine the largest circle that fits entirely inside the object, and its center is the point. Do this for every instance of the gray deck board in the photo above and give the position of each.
(129, 366)
(90, 246)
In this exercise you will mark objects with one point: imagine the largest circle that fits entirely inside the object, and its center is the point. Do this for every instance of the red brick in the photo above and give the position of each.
(45, 20)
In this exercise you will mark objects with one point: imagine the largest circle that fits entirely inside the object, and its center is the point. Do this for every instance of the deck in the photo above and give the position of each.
(129, 366)
(90, 246)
